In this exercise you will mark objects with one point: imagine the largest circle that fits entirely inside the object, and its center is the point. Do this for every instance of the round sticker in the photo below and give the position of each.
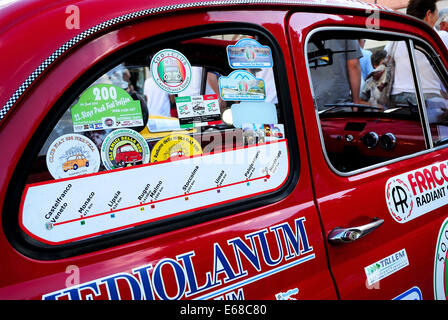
(440, 265)
(72, 155)
(171, 70)
(124, 148)
(399, 200)
(175, 146)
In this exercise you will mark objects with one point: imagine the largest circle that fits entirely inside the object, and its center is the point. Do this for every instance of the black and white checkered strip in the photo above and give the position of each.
(138, 14)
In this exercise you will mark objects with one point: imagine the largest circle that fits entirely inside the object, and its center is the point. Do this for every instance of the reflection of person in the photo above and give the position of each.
(403, 91)
(378, 58)
(376, 80)
(194, 88)
(339, 82)
(427, 11)
(365, 61)
(442, 22)
(269, 83)
(116, 77)
(158, 101)
(442, 25)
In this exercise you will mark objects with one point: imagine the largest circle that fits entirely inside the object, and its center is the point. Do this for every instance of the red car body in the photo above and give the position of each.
(275, 250)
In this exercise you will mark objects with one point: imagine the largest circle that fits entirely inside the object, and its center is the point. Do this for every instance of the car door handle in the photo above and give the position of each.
(347, 235)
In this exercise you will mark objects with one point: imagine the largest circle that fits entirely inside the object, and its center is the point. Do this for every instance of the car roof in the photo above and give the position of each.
(33, 33)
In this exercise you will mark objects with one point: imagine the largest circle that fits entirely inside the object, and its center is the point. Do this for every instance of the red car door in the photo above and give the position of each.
(390, 190)
(164, 229)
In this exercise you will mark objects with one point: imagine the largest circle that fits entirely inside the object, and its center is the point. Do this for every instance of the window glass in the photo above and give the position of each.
(365, 98)
(435, 95)
(166, 132)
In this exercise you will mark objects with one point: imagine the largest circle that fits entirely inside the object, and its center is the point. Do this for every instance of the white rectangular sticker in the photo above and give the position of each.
(76, 208)
(196, 111)
(385, 267)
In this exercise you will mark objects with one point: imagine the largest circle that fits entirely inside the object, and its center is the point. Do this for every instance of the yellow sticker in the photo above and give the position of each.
(175, 146)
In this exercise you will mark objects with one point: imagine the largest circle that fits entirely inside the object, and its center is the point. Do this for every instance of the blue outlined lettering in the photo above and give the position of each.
(227, 275)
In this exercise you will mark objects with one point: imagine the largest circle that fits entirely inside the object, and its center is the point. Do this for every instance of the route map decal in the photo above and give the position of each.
(77, 208)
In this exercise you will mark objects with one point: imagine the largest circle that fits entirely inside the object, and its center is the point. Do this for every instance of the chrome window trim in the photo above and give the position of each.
(420, 97)
(366, 31)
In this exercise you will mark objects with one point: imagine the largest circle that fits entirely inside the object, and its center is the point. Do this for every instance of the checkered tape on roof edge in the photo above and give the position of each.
(130, 16)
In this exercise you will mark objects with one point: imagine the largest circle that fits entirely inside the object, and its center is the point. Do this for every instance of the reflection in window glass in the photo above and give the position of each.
(332, 81)
(366, 100)
(403, 89)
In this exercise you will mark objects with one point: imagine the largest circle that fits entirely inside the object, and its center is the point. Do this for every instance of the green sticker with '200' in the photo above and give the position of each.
(105, 106)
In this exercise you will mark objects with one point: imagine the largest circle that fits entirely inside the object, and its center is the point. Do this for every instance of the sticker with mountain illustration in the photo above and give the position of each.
(72, 155)
(105, 106)
(248, 53)
(241, 85)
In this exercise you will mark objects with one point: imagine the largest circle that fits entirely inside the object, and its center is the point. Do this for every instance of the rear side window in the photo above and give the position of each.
(370, 91)
(182, 127)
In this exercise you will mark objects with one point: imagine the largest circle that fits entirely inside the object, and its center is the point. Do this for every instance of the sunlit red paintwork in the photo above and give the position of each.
(32, 31)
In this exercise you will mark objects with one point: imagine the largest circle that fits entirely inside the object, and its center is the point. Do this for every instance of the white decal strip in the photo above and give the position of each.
(71, 209)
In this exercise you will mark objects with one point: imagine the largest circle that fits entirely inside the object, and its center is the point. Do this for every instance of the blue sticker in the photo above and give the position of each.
(241, 85)
(248, 53)
(412, 294)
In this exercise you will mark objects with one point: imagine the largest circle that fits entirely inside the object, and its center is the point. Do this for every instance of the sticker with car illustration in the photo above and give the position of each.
(124, 148)
(72, 155)
(171, 70)
(175, 147)
(74, 162)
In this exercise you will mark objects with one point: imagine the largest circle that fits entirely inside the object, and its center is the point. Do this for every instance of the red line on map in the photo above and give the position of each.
(157, 201)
